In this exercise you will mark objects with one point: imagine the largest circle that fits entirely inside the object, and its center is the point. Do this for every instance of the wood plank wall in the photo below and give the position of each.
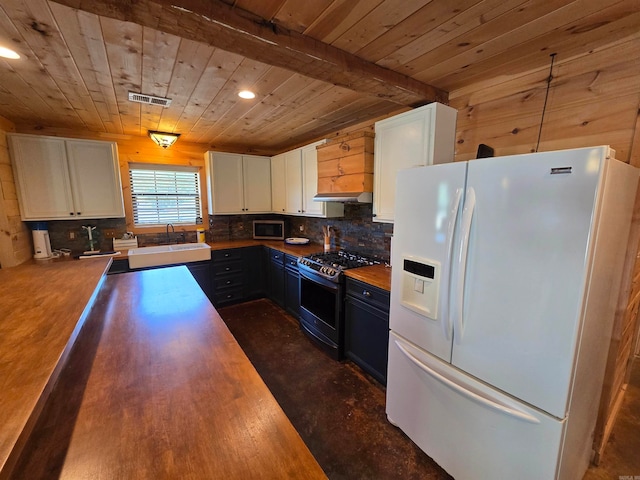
(15, 237)
(593, 100)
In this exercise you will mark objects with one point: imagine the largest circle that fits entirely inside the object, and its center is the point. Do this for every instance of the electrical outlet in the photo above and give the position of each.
(72, 235)
(109, 233)
(241, 226)
(302, 228)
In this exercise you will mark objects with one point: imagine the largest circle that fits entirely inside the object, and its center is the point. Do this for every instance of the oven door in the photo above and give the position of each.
(321, 310)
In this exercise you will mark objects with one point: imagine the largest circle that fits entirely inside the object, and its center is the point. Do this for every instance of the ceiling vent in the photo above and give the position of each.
(149, 99)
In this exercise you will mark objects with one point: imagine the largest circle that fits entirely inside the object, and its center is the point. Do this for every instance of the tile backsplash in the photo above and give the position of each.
(355, 231)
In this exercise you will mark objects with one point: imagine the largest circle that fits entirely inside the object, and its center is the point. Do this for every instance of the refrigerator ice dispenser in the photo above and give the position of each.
(420, 286)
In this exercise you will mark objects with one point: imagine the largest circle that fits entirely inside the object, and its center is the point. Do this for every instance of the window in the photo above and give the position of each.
(162, 194)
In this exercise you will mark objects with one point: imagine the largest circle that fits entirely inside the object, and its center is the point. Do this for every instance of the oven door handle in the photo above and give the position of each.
(312, 277)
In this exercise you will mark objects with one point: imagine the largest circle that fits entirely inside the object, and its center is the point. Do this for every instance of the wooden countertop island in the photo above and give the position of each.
(157, 388)
(43, 305)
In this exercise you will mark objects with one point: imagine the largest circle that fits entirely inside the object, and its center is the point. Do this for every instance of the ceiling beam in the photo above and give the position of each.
(241, 32)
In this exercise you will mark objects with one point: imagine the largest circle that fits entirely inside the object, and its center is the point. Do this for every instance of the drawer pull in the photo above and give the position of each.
(227, 254)
(366, 293)
(230, 296)
(228, 282)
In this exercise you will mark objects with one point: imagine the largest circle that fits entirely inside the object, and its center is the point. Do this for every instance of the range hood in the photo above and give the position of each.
(345, 169)
(345, 197)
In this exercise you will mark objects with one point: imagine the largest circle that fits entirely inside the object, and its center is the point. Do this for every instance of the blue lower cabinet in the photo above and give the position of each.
(367, 328)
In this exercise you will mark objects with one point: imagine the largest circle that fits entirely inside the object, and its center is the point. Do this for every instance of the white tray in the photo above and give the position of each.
(296, 241)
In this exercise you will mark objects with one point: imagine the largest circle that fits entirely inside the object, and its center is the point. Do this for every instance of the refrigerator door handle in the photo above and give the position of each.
(447, 324)
(483, 400)
(461, 263)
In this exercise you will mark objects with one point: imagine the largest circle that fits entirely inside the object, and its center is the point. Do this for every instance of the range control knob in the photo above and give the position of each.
(328, 271)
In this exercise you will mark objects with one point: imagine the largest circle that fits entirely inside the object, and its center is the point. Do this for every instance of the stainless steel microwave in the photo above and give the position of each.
(268, 229)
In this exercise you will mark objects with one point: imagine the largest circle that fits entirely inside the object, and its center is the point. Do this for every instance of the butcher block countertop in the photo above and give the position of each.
(376, 275)
(43, 305)
(156, 386)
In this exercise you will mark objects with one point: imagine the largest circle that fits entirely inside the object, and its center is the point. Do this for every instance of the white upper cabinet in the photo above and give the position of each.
(424, 136)
(238, 183)
(256, 174)
(95, 179)
(295, 183)
(278, 185)
(60, 179)
(310, 181)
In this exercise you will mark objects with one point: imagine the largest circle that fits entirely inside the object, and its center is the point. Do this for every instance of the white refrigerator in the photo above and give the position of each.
(506, 274)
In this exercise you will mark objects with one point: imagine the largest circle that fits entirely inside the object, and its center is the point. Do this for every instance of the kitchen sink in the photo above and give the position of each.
(168, 254)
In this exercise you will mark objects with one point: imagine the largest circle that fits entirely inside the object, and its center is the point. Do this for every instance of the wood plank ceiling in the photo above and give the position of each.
(316, 66)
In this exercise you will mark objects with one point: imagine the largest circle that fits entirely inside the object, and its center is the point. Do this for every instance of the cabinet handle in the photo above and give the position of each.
(70, 213)
(79, 213)
(228, 282)
(230, 296)
(375, 215)
(227, 254)
(366, 293)
(276, 257)
(283, 209)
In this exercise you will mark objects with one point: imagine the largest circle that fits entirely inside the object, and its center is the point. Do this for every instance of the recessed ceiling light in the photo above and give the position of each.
(246, 94)
(8, 53)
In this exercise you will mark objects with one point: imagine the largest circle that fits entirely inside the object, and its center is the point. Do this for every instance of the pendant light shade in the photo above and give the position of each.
(164, 139)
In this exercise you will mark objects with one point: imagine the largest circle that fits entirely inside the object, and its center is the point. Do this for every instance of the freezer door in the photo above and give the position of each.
(526, 272)
(469, 429)
(428, 200)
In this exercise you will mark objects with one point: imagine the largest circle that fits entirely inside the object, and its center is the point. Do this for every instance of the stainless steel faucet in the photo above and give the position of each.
(172, 229)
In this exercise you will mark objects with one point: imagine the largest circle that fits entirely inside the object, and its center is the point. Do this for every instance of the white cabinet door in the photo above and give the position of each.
(310, 182)
(256, 173)
(278, 184)
(95, 179)
(64, 179)
(42, 177)
(226, 183)
(293, 179)
(424, 136)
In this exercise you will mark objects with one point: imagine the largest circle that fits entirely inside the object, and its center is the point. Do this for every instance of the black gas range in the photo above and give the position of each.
(322, 296)
(330, 265)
